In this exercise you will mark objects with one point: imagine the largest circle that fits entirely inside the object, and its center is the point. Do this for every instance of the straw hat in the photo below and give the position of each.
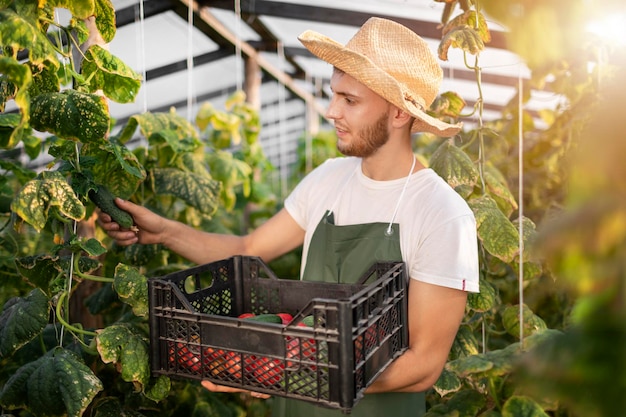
(394, 62)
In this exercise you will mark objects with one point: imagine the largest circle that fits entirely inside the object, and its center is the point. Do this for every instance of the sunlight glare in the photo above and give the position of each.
(611, 29)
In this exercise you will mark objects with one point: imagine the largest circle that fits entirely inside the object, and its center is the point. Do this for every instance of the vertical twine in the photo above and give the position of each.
(520, 197)
(142, 56)
(190, 61)
(238, 56)
(282, 127)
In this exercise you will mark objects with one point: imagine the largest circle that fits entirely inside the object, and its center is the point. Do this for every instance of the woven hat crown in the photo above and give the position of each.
(394, 62)
(403, 55)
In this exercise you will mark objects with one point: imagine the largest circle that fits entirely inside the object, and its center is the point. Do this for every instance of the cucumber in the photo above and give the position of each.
(103, 198)
(266, 318)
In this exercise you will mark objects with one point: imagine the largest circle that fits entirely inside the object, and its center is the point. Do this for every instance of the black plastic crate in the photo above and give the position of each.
(358, 329)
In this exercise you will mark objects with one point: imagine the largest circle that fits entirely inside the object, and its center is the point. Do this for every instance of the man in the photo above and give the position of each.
(377, 203)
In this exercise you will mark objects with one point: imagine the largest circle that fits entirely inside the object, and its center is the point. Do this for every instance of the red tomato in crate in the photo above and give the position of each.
(267, 371)
(222, 363)
(285, 317)
(187, 356)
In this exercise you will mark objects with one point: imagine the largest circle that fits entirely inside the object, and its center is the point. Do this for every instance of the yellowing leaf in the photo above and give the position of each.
(71, 115)
(496, 232)
(123, 346)
(108, 73)
(463, 37)
(38, 196)
(132, 287)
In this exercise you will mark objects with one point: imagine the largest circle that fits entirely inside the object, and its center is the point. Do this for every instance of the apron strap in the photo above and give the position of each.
(389, 230)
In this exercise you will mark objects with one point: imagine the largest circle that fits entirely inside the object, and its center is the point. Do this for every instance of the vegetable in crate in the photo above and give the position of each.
(105, 200)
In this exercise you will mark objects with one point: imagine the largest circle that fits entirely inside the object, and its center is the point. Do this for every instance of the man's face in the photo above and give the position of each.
(361, 116)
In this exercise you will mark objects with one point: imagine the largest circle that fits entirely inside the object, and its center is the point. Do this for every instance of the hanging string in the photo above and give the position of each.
(190, 61)
(520, 197)
(144, 81)
(238, 56)
(308, 136)
(142, 55)
(282, 136)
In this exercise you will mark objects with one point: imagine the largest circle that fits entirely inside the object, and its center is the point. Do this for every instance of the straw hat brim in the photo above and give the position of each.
(361, 68)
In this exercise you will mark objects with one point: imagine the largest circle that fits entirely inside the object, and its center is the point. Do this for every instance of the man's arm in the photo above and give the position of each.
(434, 316)
(277, 236)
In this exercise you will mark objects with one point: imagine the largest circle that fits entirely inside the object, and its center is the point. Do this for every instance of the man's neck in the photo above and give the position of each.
(385, 165)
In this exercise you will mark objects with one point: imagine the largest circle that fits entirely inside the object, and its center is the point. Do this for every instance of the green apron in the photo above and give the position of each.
(341, 254)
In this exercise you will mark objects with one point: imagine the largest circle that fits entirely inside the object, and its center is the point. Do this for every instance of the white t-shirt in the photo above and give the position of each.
(437, 228)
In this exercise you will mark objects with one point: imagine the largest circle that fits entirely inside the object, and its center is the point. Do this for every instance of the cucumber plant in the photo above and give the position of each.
(74, 318)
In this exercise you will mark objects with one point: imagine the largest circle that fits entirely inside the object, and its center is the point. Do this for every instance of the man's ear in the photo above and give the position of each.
(401, 118)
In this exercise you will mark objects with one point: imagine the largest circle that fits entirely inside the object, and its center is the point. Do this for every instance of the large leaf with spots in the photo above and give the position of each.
(155, 123)
(454, 166)
(47, 195)
(48, 272)
(132, 288)
(71, 115)
(20, 33)
(116, 166)
(496, 232)
(127, 349)
(14, 81)
(110, 74)
(21, 320)
(57, 384)
(199, 191)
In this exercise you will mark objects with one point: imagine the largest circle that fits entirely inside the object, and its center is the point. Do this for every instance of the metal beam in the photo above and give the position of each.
(426, 29)
(220, 34)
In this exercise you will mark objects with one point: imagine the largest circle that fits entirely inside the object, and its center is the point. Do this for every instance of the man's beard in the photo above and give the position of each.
(369, 139)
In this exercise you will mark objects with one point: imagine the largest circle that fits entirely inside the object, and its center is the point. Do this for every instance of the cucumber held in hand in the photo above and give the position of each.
(103, 198)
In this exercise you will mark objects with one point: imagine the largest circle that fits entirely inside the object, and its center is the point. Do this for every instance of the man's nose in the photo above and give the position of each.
(331, 110)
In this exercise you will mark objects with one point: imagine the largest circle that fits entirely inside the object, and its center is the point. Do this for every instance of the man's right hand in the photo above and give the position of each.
(150, 226)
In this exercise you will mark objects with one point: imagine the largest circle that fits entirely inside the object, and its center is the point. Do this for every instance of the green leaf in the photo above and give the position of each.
(12, 129)
(132, 288)
(110, 74)
(231, 172)
(469, 365)
(141, 255)
(117, 167)
(92, 246)
(71, 115)
(199, 191)
(463, 37)
(105, 19)
(20, 33)
(56, 384)
(80, 9)
(454, 165)
(465, 343)
(22, 319)
(159, 388)
(468, 31)
(204, 115)
(448, 382)
(484, 300)
(466, 403)
(38, 196)
(151, 123)
(171, 138)
(121, 345)
(532, 323)
(448, 104)
(112, 407)
(520, 406)
(496, 232)
(499, 190)
(43, 270)
(45, 80)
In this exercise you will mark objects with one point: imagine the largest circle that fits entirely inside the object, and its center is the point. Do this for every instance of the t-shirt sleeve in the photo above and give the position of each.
(448, 255)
